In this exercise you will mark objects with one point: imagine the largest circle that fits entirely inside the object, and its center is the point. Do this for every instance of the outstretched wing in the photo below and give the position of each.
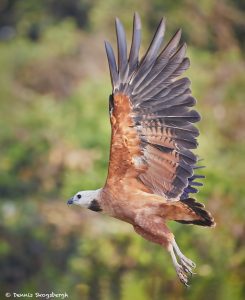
(152, 123)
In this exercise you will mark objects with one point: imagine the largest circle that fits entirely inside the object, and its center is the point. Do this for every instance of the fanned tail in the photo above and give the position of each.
(200, 217)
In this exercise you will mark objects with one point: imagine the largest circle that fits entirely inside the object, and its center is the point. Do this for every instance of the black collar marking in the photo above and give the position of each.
(94, 205)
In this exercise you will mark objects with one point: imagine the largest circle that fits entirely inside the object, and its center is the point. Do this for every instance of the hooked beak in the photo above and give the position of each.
(70, 201)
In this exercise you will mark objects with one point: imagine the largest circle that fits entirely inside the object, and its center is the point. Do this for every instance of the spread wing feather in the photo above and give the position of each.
(152, 123)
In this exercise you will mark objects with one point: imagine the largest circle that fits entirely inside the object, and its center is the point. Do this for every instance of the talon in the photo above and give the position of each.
(183, 265)
(186, 267)
(182, 274)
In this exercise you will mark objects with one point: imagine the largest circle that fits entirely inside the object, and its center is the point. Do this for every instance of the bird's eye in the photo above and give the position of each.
(79, 196)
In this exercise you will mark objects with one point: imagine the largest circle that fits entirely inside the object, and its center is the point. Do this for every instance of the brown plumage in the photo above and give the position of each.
(151, 168)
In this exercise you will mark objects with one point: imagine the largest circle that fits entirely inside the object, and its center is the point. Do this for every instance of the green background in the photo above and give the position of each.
(54, 141)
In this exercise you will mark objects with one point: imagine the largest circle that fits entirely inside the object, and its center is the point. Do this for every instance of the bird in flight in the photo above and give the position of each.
(151, 167)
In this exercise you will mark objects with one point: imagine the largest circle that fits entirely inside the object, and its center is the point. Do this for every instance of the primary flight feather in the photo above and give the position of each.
(151, 167)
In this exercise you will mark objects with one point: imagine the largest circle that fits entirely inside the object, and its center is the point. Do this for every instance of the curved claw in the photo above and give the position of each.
(182, 274)
(187, 268)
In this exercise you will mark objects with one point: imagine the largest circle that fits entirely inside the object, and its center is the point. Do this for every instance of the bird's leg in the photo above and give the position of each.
(155, 230)
(184, 266)
(184, 261)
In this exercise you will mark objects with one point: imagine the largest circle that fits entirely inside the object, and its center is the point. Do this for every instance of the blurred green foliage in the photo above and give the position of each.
(55, 135)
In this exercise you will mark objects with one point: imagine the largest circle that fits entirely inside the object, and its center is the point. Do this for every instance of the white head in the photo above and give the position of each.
(88, 199)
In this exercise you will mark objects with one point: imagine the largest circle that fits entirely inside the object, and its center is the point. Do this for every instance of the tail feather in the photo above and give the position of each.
(202, 217)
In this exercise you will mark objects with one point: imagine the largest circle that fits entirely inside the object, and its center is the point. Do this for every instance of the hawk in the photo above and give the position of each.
(151, 170)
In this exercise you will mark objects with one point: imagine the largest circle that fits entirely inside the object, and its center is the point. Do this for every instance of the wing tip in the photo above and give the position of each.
(161, 27)
(137, 20)
(117, 20)
(179, 32)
